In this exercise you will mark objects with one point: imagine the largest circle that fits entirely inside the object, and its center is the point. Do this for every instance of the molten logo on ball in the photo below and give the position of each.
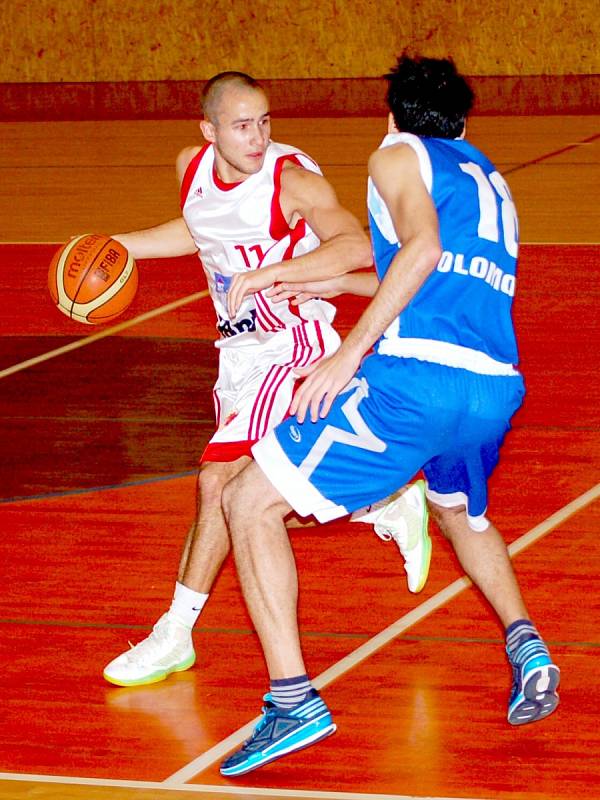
(92, 278)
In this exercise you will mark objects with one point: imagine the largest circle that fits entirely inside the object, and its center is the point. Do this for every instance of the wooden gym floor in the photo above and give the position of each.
(100, 443)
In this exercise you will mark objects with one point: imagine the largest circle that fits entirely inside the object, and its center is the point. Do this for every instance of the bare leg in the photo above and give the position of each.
(484, 557)
(266, 567)
(169, 648)
(207, 543)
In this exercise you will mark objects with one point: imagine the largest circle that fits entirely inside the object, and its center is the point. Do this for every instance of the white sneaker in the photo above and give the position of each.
(404, 519)
(169, 648)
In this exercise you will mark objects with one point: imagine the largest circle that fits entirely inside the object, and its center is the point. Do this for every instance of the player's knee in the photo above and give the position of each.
(238, 498)
(448, 519)
(211, 480)
(249, 497)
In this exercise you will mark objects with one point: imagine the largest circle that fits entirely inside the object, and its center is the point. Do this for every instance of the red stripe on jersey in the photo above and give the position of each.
(279, 226)
(189, 175)
(226, 451)
(265, 315)
(295, 236)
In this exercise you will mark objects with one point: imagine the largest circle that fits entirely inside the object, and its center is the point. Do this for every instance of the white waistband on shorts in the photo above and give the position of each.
(445, 353)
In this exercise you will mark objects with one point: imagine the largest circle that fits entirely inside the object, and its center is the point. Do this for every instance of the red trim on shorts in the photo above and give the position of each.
(217, 405)
(304, 354)
(321, 340)
(266, 395)
(226, 451)
(190, 174)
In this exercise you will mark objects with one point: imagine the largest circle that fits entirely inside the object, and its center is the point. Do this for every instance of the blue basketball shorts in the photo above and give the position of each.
(396, 417)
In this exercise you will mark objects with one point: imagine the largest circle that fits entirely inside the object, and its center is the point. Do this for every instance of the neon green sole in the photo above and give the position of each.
(155, 677)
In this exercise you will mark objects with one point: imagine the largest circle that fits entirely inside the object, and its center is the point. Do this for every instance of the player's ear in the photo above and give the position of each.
(208, 130)
(392, 128)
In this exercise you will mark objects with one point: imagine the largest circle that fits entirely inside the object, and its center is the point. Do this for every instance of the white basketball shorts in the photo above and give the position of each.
(256, 383)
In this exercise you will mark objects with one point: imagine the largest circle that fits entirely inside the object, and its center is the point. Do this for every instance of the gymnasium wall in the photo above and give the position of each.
(110, 53)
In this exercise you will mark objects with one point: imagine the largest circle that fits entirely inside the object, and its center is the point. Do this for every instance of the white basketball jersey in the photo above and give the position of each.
(239, 227)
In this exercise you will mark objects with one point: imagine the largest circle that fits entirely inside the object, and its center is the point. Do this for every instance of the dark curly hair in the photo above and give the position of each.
(428, 97)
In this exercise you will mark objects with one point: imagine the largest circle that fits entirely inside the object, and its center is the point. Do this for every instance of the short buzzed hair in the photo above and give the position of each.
(214, 88)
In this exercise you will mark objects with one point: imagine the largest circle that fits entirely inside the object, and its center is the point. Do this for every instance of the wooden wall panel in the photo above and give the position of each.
(158, 40)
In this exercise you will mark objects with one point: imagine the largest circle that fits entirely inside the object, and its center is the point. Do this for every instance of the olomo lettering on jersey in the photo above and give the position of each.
(479, 267)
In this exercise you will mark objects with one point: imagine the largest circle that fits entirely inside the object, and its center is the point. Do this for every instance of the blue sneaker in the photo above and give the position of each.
(281, 731)
(535, 680)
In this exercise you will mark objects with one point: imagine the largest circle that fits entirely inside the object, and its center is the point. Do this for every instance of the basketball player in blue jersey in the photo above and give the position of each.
(437, 394)
(255, 211)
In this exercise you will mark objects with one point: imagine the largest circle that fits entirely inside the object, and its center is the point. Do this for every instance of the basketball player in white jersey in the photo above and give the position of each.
(437, 393)
(257, 213)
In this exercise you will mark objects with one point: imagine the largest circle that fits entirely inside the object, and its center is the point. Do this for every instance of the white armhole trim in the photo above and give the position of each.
(417, 145)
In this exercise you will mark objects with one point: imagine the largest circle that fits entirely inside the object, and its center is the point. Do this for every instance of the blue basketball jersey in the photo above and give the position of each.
(461, 316)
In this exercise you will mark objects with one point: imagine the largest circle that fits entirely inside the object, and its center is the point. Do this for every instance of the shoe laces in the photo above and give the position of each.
(146, 650)
(398, 534)
(269, 710)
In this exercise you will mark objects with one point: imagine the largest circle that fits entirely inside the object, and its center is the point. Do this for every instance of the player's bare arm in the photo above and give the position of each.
(168, 239)
(344, 246)
(395, 173)
(162, 241)
(360, 283)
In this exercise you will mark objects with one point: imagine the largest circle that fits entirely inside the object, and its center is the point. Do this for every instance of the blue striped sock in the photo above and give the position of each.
(518, 632)
(288, 692)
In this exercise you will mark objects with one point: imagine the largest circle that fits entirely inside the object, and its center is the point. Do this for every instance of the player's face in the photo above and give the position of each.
(240, 133)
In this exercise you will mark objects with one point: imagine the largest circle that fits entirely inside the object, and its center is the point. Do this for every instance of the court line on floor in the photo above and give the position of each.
(385, 636)
(216, 790)
(176, 781)
(95, 337)
(108, 487)
(546, 156)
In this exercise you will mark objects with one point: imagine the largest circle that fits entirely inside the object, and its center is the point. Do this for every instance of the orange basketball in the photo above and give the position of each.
(92, 278)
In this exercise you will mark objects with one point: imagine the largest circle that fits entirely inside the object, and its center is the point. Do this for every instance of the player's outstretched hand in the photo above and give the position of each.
(323, 381)
(298, 293)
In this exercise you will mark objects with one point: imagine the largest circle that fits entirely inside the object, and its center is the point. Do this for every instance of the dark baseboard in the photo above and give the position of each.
(294, 97)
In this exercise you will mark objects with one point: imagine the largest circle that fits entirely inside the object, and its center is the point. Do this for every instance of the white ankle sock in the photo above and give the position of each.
(187, 605)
